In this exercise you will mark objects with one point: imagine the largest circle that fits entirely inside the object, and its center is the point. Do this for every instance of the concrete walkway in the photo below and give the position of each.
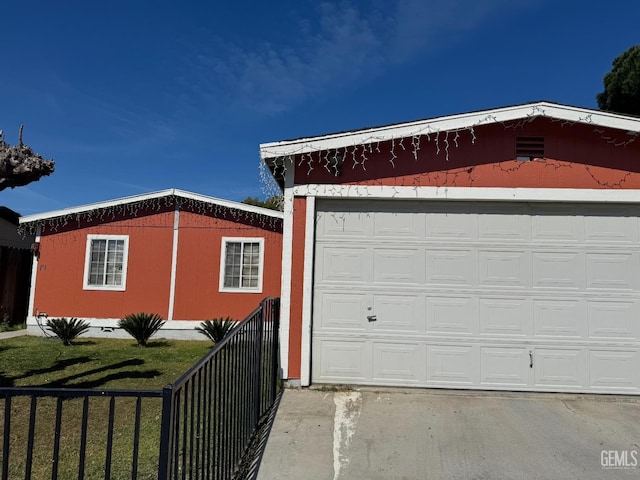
(15, 333)
(436, 434)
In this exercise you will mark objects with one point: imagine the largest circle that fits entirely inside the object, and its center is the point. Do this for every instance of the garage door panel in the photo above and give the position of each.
(558, 270)
(395, 225)
(397, 361)
(447, 225)
(344, 224)
(504, 268)
(340, 264)
(603, 226)
(564, 368)
(398, 313)
(451, 267)
(452, 315)
(452, 365)
(342, 360)
(398, 265)
(506, 316)
(508, 224)
(561, 318)
(618, 271)
(507, 296)
(613, 319)
(553, 224)
(507, 367)
(341, 311)
(614, 369)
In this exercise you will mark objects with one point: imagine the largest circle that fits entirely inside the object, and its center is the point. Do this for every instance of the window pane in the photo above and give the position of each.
(106, 262)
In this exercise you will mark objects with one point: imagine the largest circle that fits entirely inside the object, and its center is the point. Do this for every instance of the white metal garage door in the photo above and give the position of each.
(517, 296)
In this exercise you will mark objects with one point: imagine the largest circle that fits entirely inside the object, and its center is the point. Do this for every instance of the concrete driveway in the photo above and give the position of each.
(432, 434)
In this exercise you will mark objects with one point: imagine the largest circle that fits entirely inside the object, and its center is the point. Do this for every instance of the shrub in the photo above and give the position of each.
(67, 329)
(217, 329)
(141, 326)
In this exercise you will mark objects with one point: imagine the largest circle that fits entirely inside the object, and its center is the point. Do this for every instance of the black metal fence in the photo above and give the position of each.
(205, 420)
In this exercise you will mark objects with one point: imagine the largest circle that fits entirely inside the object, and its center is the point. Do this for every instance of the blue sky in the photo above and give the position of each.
(132, 96)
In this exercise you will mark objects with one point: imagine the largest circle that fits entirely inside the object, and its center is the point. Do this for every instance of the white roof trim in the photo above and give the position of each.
(567, 113)
(149, 196)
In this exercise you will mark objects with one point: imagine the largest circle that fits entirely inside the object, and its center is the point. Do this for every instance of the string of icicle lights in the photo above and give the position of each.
(134, 209)
(333, 161)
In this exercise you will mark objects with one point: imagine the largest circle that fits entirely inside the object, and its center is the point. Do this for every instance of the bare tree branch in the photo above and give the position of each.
(20, 165)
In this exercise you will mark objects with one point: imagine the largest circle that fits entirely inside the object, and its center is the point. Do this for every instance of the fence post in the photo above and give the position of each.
(275, 354)
(166, 434)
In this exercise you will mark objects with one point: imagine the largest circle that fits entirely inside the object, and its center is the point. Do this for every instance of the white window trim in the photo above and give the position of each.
(87, 261)
(223, 248)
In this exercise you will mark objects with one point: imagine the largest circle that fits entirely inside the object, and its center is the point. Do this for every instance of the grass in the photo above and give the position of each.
(90, 363)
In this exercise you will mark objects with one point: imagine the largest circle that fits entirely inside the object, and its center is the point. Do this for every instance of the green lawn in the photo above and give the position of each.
(97, 364)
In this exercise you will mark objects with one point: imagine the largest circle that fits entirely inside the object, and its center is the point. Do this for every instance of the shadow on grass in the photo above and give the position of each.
(98, 382)
(83, 342)
(61, 382)
(159, 343)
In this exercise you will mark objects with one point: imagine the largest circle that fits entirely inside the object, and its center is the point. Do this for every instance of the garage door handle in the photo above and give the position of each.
(372, 318)
(530, 359)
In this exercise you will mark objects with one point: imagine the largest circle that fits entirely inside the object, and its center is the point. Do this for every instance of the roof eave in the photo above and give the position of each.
(449, 123)
(150, 196)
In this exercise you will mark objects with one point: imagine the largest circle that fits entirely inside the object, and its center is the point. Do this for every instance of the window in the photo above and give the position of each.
(241, 265)
(106, 262)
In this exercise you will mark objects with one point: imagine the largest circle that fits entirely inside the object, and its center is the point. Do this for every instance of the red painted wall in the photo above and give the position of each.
(198, 274)
(59, 282)
(60, 273)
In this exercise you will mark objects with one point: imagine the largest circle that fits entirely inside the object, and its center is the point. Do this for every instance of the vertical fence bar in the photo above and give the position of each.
(176, 432)
(198, 424)
(83, 438)
(6, 437)
(166, 433)
(56, 440)
(136, 440)
(107, 461)
(31, 435)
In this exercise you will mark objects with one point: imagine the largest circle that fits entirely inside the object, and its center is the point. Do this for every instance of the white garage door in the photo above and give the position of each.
(515, 296)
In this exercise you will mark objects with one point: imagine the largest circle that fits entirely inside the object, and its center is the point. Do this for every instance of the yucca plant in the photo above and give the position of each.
(217, 329)
(141, 326)
(67, 329)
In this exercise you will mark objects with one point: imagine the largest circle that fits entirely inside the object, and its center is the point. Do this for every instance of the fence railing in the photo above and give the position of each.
(211, 412)
(205, 420)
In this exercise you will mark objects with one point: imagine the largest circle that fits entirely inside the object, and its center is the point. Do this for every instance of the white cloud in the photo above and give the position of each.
(336, 45)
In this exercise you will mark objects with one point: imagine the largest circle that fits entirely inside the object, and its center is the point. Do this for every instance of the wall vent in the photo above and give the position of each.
(528, 148)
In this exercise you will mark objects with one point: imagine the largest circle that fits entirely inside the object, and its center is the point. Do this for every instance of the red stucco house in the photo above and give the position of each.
(497, 249)
(184, 256)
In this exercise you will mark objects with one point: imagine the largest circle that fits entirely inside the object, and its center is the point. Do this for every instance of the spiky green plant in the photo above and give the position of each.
(67, 329)
(217, 329)
(141, 326)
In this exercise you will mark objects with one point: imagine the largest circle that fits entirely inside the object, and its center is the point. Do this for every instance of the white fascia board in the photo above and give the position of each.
(148, 196)
(450, 123)
(95, 206)
(469, 193)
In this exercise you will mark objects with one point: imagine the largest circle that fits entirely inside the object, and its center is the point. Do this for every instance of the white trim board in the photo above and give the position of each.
(174, 262)
(469, 193)
(286, 277)
(556, 111)
(307, 293)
